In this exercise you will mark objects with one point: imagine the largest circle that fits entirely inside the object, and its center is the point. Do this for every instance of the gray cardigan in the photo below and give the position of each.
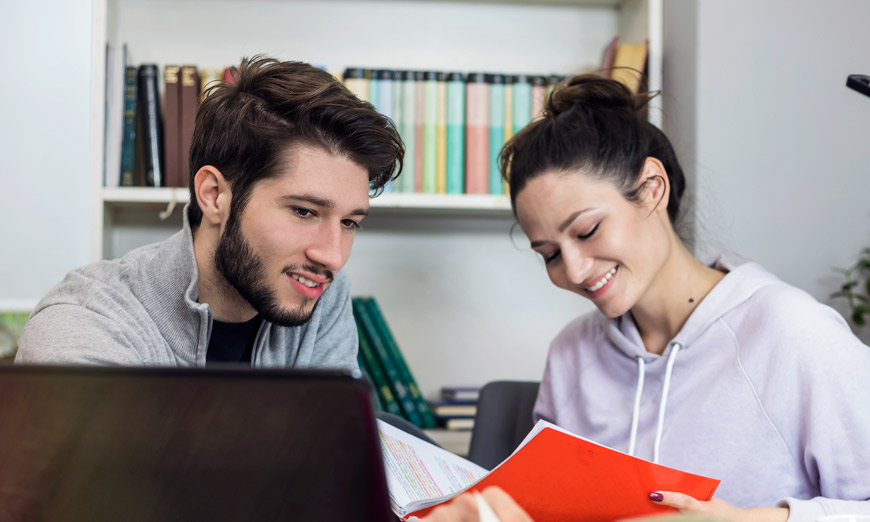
(142, 309)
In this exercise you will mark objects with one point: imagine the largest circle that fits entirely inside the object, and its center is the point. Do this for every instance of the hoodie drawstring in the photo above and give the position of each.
(636, 412)
(669, 370)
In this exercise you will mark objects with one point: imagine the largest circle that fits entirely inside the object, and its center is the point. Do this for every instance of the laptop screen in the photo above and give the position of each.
(88, 443)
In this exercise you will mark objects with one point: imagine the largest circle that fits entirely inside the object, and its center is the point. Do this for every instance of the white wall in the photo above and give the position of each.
(780, 154)
(45, 48)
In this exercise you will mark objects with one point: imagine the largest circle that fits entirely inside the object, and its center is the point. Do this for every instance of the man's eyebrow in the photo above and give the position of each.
(324, 203)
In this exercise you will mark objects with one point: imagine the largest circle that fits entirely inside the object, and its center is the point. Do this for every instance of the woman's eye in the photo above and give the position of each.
(590, 233)
(550, 257)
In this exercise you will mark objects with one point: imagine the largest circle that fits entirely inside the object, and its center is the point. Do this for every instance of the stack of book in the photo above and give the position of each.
(381, 361)
(456, 408)
(453, 124)
(147, 137)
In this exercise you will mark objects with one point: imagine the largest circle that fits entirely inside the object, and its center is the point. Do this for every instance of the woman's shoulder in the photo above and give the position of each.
(784, 317)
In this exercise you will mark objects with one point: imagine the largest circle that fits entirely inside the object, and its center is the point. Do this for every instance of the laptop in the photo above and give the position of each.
(140, 444)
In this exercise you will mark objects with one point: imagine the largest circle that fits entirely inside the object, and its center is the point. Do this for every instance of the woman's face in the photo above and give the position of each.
(593, 241)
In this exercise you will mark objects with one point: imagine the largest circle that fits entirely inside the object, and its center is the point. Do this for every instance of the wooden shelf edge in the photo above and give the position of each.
(122, 196)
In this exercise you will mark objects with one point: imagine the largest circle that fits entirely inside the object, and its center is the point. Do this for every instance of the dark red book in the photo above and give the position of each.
(172, 125)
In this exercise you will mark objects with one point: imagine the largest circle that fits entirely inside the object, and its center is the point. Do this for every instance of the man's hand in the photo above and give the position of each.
(464, 508)
(717, 508)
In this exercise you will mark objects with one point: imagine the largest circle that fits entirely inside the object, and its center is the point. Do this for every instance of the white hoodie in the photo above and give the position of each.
(768, 391)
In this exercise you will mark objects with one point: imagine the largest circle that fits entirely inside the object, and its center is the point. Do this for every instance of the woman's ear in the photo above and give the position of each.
(213, 195)
(656, 186)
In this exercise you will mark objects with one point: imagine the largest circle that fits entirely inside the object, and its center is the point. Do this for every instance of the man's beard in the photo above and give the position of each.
(244, 270)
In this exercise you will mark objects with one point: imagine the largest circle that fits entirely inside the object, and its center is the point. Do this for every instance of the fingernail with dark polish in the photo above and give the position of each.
(656, 497)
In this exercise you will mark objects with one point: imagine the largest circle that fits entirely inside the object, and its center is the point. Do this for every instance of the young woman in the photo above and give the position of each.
(721, 370)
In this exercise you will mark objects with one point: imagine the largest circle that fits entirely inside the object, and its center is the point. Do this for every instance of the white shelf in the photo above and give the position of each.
(123, 196)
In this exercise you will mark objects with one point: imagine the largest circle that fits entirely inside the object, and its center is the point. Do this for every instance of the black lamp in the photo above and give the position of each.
(859, 82)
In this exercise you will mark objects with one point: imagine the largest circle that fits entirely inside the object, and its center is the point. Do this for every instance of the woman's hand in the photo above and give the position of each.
(464, 508)
(717, 508)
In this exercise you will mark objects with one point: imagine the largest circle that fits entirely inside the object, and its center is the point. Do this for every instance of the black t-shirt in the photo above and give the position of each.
(232, 342)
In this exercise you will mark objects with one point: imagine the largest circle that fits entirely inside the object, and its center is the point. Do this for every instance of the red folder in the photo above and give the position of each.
(557, 477)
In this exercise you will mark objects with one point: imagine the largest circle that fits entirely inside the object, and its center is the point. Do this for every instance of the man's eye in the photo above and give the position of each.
(351, 224)
(302, 212)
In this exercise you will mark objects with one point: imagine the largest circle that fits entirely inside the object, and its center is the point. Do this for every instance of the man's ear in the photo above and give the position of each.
(656, 185)
(213, 195)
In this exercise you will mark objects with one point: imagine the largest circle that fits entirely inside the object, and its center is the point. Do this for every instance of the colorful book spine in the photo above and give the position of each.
(378, 380)
(190, 95)
(426, 416)
(455, 133)
(386, 102)
(356, 81)
(152, 125)
(420, 89)
(477, 135)
(128, 145)
(388, 365)
(539, 95)
(496, 129)
(522, 101)
(430, 132)
(172, 122)
(374, 88)
(408, 128)
(441, 136)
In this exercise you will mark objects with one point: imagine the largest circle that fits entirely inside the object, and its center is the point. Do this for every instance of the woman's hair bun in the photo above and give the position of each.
(590, 90)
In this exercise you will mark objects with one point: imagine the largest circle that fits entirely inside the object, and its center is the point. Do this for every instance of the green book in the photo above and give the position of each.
(376, 397)
(386, 399)
(389, 367)
(402, 365)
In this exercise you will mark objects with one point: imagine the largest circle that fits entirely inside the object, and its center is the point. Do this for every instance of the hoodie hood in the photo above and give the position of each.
(739, 285)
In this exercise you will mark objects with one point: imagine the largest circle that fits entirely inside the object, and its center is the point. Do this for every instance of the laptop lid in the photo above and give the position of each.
(94, 443)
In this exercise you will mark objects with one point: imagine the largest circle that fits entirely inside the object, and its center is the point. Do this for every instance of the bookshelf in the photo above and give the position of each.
(412, 243)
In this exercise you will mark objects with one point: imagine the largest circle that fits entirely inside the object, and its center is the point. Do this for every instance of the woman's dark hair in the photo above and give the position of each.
(596, 125)
(244, 129)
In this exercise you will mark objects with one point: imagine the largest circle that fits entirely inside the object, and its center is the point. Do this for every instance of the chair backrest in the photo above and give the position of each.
(504, 418)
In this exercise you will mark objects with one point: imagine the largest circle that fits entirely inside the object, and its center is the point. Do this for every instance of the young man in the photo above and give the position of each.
(282, 165)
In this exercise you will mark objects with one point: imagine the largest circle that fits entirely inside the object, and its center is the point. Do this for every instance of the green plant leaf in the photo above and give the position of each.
(848, 285)
(839, 294)
(864, 263)
(858, 319)
(862, 298)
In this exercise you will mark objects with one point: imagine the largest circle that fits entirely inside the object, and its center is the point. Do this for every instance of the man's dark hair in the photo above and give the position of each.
(245, 129)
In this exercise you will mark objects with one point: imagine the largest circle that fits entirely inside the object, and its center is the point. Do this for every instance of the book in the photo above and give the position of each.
(454, 409)
(607, 56)
(554, 475)
(459, 423)
(149, 132)
(172, 124)
(629, 65)
(190, 96)
(460, 393)
(128, 145)
(382, 359)
(428, 420)
(116, 57)
(386, 400)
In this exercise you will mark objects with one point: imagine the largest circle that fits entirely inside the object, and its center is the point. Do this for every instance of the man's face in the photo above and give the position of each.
(294, 234)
